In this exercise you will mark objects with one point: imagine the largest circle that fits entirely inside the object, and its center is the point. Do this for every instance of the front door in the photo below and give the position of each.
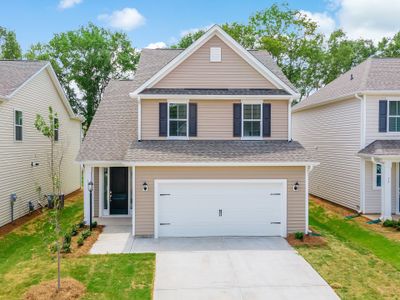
(118, 191)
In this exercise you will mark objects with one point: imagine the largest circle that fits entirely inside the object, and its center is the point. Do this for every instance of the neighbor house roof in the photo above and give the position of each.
(382, 148)
(374, 74)
(14, 73)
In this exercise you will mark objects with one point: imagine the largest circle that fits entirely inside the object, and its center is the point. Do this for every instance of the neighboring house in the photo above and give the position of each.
(28, 88)
(199, 144)
(354, 124)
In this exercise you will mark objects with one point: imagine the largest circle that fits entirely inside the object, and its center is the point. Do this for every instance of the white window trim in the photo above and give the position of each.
(187, 120)
(374, 174)
(389, 116)
(252, 138)
(22, 126)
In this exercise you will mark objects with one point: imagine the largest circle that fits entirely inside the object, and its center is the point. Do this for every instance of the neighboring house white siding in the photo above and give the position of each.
(333, 130)
(372, 124)
(16, 173)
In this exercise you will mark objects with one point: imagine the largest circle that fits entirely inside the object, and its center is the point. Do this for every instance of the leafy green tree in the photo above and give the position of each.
(389, 47)
(9, 47)
(243, 34)
(188, 39)
(85, 61)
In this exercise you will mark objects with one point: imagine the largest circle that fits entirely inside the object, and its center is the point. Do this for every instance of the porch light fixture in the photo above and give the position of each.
(296, 186)
(145, 187)
(90, 189)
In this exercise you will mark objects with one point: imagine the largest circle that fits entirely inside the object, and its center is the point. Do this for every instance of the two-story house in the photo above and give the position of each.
(199, 144)
(353, 124)
(28, 88)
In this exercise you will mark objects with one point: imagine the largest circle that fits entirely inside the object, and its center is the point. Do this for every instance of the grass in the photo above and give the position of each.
(358, 263)
(25, 261)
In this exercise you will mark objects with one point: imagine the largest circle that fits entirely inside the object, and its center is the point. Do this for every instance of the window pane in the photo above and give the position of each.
(177, 128)
(378, 169)
(256, 111)
(392, 108)
(182, 111)
(379, 180)
(105, 196)
(173, 111)
(394, 123)
(18, 117)
(251, 128)
(18, 133)
(247, 111)
(56, 126)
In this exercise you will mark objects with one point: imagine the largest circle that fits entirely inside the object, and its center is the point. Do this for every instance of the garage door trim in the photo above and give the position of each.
(157, 182)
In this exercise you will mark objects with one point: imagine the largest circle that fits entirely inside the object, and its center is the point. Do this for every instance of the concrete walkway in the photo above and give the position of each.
(231, 268)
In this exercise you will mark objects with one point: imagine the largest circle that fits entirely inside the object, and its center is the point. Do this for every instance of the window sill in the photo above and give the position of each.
(253, 138)
(178, 138)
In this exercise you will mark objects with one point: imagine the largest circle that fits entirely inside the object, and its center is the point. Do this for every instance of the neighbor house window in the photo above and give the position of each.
(377, 176)
(394, 116)
(177, 119)
(252, 120)
(56, 129)
(18, 125)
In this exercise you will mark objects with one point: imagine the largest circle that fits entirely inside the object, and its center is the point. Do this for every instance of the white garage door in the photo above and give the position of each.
(190, 208)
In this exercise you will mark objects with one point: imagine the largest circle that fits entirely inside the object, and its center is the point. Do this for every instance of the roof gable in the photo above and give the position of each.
(236, 47)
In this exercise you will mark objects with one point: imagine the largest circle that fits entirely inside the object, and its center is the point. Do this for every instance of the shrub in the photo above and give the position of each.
(86, 233)
(389, 223)
(299, 235)
(81, 224)
(80, 240)
(53, 247)
(67, 238)
(94, 224)
(74, 230)
(66, 247)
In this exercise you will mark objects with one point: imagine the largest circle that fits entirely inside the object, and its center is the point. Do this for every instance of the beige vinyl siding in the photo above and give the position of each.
(372, 120)
(373, 196)
(16, 173)
(333, 132)
(145, 200)
(215, 119)
(96, 192)
(198, 72)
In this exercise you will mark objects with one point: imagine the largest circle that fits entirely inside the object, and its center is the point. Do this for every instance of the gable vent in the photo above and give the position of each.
(215, 54)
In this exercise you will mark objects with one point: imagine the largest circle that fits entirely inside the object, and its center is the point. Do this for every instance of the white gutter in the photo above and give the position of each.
(363, 116)
(290, 119)
(210, 97)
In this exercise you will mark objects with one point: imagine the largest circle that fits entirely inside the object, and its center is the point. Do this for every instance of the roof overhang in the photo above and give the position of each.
(242, 52)
(214, 97)
(394, 158)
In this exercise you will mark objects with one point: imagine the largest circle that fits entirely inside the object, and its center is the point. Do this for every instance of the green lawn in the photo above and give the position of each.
(358, 263)
(24, 261)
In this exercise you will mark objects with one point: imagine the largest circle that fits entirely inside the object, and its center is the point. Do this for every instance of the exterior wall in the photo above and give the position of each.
(373, 196)
(215, 119)
(16, 173)
(198, 72)
(145, 200)
(96, 192)
(333, 132)
(372, 124)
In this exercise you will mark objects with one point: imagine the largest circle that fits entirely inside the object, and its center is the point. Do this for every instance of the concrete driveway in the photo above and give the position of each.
(232, 268)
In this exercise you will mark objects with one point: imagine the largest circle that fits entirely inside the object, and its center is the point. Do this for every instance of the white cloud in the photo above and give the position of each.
(193, 30)
(125, 19)
(156, 45)
(326, 24)
(64, 4)
(371, 19)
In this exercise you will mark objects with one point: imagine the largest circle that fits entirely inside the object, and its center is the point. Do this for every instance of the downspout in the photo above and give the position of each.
(363, 117)
(308, 169)
(290, 119)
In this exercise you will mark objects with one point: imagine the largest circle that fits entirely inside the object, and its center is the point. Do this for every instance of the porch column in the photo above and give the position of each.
(386, 197)
(133, 187)
(86, 195)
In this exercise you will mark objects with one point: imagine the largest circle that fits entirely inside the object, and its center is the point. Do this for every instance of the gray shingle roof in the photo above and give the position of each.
(371, 75)
(113, 133)
(382, 148)
(186, 91)
(13, 73)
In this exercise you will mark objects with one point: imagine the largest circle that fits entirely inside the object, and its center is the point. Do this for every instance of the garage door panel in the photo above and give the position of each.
(216, 208)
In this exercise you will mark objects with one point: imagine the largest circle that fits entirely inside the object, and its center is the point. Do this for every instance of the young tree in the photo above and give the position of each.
(9, 47)
(49, 129)
(85, 60)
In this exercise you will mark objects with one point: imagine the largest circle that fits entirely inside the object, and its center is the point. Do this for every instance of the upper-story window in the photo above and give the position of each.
(18, 125)
(394, 116)
(56, 129)
(251, 120)
(177, 120)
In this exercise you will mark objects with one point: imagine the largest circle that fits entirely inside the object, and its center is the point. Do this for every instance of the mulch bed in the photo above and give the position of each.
(70, 289)
(308, 240)
(74, 196)
(76, 250)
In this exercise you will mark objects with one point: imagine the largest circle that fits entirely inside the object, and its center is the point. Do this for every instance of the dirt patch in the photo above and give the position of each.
(70, 289)
(72, 197)
(344, 211)
(308, 240)
(76, 250)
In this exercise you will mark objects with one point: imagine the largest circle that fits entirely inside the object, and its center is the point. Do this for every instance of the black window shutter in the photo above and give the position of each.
(237, 119)
(192, 119)
(266, 119)
(163, 119)
(382, 115)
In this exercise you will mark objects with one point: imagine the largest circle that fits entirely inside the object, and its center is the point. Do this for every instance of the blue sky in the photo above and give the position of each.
(163, 22)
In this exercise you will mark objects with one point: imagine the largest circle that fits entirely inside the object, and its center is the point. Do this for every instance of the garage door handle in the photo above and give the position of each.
(275, 222)
(165, 223)
(275, 194)
(165, 194)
